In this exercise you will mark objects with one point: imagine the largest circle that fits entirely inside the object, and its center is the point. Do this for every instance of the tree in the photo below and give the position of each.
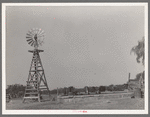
(15, 90)
(110, 87)
(93, 89)
(102, 88)
(71, 88)
(65, 91)
(75, 92)
(139, 51)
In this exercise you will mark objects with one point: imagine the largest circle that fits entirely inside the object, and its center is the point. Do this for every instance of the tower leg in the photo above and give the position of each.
(48, 93)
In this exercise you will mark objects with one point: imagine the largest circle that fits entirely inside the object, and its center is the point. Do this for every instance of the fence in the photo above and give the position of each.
(94, 97)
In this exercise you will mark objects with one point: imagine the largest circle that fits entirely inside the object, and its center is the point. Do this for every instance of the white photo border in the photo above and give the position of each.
(12, 112)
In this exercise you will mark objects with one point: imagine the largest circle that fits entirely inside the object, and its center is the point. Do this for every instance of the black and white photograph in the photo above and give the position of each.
(75, 58)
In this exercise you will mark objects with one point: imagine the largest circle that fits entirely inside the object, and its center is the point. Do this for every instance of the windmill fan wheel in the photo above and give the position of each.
(35, 37)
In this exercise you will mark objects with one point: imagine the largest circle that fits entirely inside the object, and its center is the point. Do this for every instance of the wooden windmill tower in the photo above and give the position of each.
(36, 83)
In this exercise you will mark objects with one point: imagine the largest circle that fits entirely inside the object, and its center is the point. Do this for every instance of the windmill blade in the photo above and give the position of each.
(31, 32)
(35, 30)
(30, 42)
(29, 39)
(41, 32)
(42, 41)
(39, 42)
(41, 36)
(29, 35)
(38, 31)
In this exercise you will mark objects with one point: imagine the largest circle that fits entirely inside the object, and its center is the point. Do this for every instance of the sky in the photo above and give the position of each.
(83, 46)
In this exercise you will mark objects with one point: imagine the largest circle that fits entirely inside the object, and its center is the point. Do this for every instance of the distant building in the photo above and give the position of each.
(137, 84)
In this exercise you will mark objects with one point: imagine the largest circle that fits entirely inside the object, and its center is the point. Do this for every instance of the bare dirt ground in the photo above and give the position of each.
(119, 104)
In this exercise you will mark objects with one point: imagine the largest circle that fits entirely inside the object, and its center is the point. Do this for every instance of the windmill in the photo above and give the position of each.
(36, 83)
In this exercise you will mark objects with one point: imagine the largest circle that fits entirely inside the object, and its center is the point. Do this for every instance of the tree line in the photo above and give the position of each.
(17, 90)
